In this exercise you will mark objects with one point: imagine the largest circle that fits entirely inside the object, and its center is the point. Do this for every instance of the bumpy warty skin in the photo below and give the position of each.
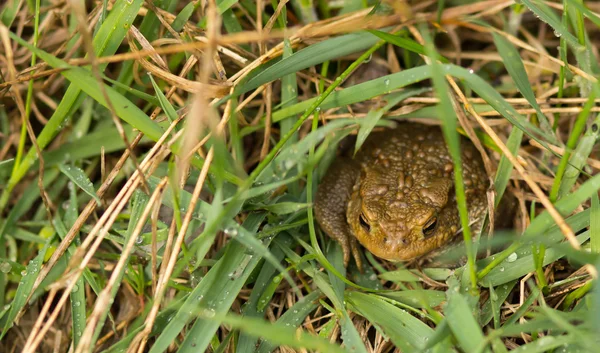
(396, 196)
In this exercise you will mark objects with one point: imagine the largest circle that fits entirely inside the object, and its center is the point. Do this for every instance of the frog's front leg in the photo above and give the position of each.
(331, 203)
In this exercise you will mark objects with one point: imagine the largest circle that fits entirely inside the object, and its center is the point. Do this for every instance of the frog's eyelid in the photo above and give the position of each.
(364, 222)
(430, 226)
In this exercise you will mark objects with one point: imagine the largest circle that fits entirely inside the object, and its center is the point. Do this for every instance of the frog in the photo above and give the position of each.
(396, 195)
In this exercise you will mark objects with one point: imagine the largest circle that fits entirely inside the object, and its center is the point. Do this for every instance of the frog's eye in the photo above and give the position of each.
(429, 227)
(364, 222)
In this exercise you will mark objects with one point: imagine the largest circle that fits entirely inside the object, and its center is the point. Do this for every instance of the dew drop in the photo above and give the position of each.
(512, 257)
(5, 267)
(231, 231)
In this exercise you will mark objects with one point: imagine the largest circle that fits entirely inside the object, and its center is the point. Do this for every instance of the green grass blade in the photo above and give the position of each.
(25, 285)
(407, 44)
(449, 124)
(578, 160)
(277, 333)
(164, 102)
(315, 54)
(595, 223)
(292, 318)
(516, 69)
(368, 123)
(79, 178)
(505, 168)
(462, 323)
(406, 331)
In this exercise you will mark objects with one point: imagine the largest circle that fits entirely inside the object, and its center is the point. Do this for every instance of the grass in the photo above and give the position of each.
(158, 163)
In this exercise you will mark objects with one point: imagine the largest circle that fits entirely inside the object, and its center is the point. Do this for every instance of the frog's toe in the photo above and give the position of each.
(356, 254)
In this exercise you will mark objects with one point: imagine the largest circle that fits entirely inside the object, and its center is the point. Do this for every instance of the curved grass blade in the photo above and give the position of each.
(516, 69)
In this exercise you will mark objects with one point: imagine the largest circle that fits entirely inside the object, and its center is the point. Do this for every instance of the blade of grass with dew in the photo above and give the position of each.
(106, 42)
(416, 297)
(257, 248)
(579, 158)
(350, 336)
(516, 69)
(463, 325)
(373, 115)
(25, 286)
(404, 43)
(289, 96)
(449, 123)
(491, 308)
(406, 332)
(379, 86)
(213, 294)
(281, 208)
(77, 296)
(293, 317)
(544, 13)
(524, 264)
(291, 155)
(279, 334)
(262, 293)
(79, 178)
(312, 55)
(359, 92)
(522, 247)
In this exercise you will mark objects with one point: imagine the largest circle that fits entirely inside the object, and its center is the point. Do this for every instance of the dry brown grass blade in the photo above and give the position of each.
(103, 300)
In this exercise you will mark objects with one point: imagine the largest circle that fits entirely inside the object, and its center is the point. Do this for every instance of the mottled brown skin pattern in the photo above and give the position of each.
(396, 196)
